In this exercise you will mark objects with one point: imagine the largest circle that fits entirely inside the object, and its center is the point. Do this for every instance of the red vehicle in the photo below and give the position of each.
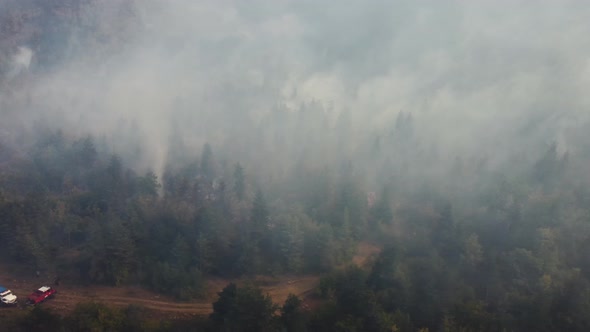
(40, 295)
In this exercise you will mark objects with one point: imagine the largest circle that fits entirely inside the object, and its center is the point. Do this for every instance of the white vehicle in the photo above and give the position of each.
(6, 296)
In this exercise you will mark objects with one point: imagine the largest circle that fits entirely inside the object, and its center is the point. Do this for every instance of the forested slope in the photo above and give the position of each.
(163, 144)
(512, 255)
(69, 210)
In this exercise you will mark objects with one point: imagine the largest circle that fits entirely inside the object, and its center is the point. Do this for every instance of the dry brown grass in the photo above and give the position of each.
(69, 295)
(366, 252)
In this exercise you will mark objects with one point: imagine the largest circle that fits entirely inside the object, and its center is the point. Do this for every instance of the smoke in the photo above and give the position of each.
(20, 63)
(479, 78)
(22, 60)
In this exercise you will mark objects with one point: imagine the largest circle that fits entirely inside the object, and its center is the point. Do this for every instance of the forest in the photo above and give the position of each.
(166, 145)
(511, 257)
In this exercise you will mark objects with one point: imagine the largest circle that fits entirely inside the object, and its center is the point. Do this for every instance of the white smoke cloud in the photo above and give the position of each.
(21, 62)
(473, 74)
(22, 59)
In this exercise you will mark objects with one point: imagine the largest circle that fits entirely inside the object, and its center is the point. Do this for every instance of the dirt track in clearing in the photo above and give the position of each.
(69, 295)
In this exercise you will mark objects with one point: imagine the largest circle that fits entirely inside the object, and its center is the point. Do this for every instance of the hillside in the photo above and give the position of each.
(395, 165)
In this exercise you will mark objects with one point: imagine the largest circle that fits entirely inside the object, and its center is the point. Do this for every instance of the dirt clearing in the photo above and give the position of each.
(69, 295)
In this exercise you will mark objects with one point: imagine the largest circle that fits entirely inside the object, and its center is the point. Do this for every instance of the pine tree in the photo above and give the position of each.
(120, 253)
(244, 309)
(292, 314)
(180, 252)
(289, 241)
(259, 217)
(148, 185)
(86, 151)
(225, 304)
(203, 253)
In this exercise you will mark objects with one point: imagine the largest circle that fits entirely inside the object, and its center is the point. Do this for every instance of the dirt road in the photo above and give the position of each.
(68, 295)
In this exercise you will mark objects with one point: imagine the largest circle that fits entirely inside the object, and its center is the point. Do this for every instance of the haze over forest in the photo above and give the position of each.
(303, 83)
(456, 129)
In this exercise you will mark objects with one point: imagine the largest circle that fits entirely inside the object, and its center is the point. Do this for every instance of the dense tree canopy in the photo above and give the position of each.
(510, 256)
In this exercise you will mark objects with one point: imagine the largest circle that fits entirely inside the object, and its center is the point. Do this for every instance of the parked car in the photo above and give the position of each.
(6, 297)
(40, 295)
